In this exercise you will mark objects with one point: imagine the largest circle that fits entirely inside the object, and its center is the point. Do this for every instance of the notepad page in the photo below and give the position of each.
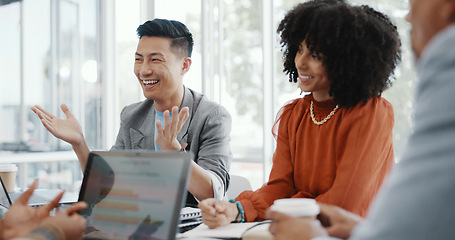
(233, 230)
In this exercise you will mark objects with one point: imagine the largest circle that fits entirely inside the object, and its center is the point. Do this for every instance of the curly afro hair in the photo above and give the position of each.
(360, 47)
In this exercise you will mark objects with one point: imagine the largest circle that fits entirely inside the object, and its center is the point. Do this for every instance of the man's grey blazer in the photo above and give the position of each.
(207, 132)
(418, 200)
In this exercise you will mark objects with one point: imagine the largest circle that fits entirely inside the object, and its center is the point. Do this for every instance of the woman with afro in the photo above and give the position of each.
(334, 144)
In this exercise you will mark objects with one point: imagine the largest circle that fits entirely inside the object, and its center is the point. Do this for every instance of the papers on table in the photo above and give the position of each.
(251, 230)
(189, 218)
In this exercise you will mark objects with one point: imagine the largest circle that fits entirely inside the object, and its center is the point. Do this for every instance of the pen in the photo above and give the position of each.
(216, 199)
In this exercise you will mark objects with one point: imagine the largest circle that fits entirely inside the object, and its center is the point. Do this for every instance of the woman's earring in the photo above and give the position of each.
(301, 91)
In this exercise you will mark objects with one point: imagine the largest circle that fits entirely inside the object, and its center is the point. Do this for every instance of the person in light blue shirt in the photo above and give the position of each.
(416, 201)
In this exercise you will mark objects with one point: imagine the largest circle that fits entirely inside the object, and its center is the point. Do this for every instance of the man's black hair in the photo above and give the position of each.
(181, 37)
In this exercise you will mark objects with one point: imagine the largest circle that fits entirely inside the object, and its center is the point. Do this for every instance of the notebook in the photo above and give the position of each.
(188, 213)
(134, 195)
(190, 218)
(246, 231)
(38, 198)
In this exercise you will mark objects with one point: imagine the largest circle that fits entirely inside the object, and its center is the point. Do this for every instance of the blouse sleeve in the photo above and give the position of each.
(365, 149)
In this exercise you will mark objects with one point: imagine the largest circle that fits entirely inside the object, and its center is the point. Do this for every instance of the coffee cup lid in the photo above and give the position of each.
(8, 167)
(297, 207)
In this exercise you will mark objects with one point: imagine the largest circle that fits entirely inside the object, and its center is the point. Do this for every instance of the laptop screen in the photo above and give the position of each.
(135, 195)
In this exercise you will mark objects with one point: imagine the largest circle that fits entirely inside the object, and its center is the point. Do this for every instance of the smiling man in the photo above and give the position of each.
(172, 118)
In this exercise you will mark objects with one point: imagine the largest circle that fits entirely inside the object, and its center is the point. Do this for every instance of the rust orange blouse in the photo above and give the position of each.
(341, 162)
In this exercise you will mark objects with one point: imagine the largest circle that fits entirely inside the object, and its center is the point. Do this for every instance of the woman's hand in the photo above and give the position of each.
(217, 214)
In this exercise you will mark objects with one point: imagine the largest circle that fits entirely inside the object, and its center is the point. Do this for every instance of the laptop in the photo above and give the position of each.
(39, 197)
(134, 195)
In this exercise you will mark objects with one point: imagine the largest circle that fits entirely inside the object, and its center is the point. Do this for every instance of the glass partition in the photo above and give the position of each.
(10, 77)
(47, 52)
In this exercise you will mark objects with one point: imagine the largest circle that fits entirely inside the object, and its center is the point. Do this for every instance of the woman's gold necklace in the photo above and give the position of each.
(326, 118)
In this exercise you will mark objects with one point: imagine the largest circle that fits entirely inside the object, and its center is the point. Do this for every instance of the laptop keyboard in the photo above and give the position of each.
(35, 199)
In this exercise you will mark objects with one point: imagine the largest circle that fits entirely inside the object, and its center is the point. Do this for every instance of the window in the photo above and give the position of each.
(50, 58)
(10, 80)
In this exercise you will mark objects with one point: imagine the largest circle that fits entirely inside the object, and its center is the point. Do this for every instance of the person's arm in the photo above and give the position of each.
(67, 130)
(200, 182)
(211, 147)
(365, 157)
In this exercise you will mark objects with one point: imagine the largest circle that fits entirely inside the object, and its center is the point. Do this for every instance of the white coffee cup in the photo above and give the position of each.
(8, 173)
(297, 207)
